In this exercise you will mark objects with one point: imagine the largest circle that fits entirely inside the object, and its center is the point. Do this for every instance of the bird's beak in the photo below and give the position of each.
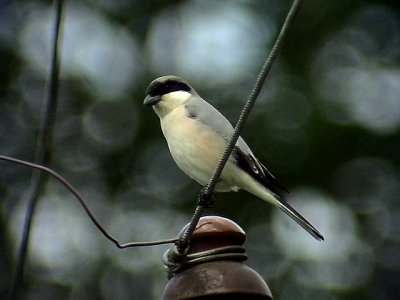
(151, 100)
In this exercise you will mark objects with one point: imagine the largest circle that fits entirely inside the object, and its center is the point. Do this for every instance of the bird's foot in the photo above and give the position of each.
(205, 199)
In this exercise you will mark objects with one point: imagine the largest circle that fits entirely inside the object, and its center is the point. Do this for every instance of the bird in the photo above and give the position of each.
(197, 134)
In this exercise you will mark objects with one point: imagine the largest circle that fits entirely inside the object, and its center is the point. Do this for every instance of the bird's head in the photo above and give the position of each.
(167, 93)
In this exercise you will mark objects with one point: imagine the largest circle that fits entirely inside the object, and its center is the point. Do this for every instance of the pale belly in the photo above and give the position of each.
(196, 149)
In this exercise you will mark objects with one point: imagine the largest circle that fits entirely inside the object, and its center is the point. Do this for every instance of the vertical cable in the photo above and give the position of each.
(43, 152)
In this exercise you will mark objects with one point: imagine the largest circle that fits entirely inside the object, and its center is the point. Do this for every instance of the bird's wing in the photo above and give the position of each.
(205, 113)
(252, 166)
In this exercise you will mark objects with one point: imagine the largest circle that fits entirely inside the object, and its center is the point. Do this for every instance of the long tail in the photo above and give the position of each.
(262, 192)
(291, 212)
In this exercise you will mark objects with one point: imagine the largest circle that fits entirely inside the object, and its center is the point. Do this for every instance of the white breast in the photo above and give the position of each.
(195, 148)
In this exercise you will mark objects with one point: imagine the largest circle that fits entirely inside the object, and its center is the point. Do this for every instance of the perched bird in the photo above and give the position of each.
(197, 135)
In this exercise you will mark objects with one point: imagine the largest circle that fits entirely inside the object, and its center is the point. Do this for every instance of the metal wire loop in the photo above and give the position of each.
(184, 261)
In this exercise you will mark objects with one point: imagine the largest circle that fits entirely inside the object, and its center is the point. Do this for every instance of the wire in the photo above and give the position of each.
(43, 152)
(85, 207)
(209, 188)
(46, 141)
(175, 262)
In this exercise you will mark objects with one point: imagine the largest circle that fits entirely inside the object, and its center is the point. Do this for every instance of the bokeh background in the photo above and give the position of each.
(327, 125)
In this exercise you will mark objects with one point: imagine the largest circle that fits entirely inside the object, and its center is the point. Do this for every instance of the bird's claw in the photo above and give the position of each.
(205, 199)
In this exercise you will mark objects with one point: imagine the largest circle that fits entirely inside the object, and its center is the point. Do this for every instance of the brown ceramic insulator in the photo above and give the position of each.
(214, 232)
(220, 279)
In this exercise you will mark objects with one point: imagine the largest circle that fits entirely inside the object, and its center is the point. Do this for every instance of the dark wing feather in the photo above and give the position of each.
(252, 166)
(206, 114)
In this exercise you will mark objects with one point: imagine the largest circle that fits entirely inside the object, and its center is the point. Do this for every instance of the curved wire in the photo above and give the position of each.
(85, 207)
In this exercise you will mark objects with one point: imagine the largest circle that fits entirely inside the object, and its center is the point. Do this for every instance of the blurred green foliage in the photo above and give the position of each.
(327, 124)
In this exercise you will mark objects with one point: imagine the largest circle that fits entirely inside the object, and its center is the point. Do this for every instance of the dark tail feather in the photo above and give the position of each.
(291, 212)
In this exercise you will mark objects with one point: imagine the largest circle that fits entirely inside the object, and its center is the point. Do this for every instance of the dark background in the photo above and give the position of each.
(327, 125)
